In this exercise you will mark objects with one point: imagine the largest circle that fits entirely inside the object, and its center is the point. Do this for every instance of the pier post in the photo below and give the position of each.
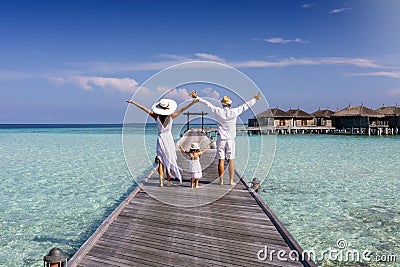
(255, 184)
(202, 120)
(55, 258)
(188, 121)
(202, 113)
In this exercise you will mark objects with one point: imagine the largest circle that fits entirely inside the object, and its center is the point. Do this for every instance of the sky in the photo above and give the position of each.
(78, 61)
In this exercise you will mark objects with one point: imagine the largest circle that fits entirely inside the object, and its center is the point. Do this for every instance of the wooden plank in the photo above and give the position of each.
(273, 238)
(137, 205)
(203, 224)
(183, 237)
(152, 254)
(245, 251)
(205, 217)
(226, 255)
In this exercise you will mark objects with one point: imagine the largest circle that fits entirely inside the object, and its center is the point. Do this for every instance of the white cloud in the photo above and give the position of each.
(394, 92)
(209, 92)
(393, 74)
(76, 72)
(196, 56)
(359, 62)
(116, 67)
(173, 93)
(210, 57)
(172, 56)
(183, 93)
(309, 5)
(339, 10)
(89, 83)
(280, 40)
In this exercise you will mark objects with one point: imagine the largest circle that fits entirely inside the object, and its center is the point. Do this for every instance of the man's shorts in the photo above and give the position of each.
(225, 149)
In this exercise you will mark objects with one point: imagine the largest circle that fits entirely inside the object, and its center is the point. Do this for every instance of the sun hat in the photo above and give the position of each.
(164, 107)
(194, 146)
(226, 100)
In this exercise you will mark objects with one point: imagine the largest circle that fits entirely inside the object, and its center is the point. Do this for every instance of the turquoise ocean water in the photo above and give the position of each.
(59, 183)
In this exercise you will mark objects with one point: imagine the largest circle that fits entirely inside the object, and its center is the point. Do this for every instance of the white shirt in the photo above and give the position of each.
(226, 117)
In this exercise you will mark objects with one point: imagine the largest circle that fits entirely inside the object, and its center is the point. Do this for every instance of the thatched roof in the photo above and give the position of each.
(298, 113)
(323, 113)
(358, 111)
(275, 112)
(389, 111)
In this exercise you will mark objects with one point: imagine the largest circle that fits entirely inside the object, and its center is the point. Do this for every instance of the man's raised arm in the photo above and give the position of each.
(242, 108)
(203, 101)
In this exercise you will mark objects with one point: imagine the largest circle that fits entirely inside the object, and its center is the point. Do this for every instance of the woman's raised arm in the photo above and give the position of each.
(151, 113)
(179, 112)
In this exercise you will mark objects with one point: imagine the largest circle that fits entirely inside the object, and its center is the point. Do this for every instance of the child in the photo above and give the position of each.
(195, 168)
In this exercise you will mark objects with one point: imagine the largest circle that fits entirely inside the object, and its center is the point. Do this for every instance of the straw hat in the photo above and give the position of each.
(164, 107)
(226, 100)
(194, 146)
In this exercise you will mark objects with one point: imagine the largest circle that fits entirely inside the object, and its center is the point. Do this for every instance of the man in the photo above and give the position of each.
(226, 124)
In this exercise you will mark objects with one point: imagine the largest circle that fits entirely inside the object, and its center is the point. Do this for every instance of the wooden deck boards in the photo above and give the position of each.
(228, 229)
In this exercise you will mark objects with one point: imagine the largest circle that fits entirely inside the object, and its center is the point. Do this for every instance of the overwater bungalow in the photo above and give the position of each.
(294, 121)
(273, 120)
(323, 117)
(392, 118)
(300, 118)
(360, 120)
(351, 120)
(271, 117)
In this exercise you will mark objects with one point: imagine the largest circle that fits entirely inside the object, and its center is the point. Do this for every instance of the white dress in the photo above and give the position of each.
(195, 168)
(166, 152)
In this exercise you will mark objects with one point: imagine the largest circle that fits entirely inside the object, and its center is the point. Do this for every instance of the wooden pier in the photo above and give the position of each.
(178, 226)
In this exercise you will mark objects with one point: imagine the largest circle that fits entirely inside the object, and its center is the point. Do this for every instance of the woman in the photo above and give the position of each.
(164, 112)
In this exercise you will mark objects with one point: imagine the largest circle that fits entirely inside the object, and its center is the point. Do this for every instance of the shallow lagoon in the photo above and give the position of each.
(59, 184)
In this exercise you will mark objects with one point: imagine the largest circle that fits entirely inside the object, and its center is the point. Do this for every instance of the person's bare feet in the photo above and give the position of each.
(161, 184)
(197, 186)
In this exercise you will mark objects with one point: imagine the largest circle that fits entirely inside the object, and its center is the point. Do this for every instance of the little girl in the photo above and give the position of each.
(195, 168)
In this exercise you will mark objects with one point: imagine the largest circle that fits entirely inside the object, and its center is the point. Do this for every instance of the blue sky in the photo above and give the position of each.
(77, 61)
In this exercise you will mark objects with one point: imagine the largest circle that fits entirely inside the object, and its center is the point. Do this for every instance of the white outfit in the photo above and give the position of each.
(195, 169)
(226, 123)
(226, 149)
(166, 152)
